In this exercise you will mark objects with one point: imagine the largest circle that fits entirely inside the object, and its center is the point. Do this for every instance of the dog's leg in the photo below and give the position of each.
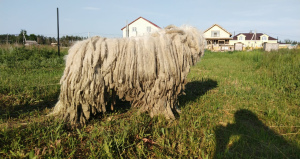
(113, 99)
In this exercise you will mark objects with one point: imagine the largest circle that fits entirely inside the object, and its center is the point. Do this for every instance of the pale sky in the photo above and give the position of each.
(277, 18)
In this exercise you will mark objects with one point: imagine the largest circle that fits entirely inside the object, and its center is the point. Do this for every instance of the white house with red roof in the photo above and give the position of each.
(253, 40)
(219, 39)
(139, 27)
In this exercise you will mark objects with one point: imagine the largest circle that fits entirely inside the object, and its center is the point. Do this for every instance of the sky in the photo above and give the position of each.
(276, 18)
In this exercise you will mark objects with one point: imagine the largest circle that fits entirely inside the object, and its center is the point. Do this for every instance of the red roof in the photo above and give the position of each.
(144, 19)
(250, 35)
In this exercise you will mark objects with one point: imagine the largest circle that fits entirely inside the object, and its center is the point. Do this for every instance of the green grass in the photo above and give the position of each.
(237, 105)
(29, 78)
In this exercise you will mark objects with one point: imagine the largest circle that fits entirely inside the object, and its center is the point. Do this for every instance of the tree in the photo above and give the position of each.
(288, 41)
(32, 37)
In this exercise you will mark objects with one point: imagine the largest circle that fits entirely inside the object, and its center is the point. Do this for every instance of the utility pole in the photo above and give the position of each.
(58, 34)
(255, 37)
(24, 38)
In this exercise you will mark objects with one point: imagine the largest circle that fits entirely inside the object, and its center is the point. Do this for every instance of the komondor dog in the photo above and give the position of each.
(149, 71)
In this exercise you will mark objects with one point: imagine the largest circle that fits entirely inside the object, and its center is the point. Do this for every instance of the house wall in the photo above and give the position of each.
(251, 43)
(215, 28)
(141, 26)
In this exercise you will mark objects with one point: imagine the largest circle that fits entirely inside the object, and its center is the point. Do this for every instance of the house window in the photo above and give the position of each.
(241, 38)
(133, 28)
(264, 38)
(148, 29)
(215, 33)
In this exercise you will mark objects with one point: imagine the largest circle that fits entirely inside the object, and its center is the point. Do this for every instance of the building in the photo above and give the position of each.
(252, 40)
(218, 38)
(30, 42)
(217, 35)
(139, 27)
(287, 46)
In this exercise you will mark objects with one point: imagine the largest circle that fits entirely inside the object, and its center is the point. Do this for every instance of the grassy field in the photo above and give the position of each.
(237, 105)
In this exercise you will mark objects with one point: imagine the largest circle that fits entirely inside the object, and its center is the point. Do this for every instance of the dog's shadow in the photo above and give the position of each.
(195, 89)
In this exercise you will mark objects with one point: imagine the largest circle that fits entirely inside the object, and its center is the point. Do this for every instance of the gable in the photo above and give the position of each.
(143, 19)
(264, 35)
(241, 35)
(211, 31)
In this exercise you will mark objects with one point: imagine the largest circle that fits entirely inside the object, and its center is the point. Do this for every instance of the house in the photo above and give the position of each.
(217, 35)
(253, 40)
(287, 46)
(139, 27)
(218, 38)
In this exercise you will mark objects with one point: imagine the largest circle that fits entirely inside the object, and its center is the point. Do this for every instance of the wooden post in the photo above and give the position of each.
(58, 51)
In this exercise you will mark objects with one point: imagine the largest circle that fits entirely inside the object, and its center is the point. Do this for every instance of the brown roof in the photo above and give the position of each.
(219, 27)
(219, 38)
(144, 19)
(250, 35)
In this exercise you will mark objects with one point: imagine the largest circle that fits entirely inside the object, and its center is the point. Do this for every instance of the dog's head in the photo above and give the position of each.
(190, 36)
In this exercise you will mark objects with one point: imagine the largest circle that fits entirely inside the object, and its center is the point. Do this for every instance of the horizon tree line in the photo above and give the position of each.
(40, 39)
(66, 41)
